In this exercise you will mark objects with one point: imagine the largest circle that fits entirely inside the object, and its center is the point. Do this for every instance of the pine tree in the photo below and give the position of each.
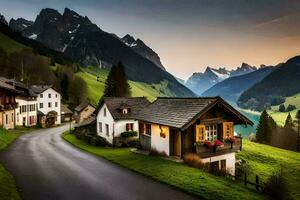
(289, 122)
(264, 131)
(282, 108)
(116, 84)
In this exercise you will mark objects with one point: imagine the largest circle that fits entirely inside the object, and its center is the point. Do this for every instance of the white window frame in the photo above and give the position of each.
(100, 127)
(211, 132)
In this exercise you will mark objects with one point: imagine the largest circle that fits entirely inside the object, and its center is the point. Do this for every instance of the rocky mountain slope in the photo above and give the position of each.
(231, 88)
(19, 24)
(200, 82)
(282, 82)
(141, 48)
(85, 43)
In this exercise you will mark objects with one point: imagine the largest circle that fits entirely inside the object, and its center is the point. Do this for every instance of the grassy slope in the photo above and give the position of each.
(280, 117)
(175, 174)
(10, 45)
(8, 188)
(264, 160)
(96, 88)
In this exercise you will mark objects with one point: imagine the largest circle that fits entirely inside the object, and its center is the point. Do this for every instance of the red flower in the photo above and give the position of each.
(218, 143)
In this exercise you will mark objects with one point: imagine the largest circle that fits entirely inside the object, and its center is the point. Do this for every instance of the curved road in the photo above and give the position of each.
(47, 167)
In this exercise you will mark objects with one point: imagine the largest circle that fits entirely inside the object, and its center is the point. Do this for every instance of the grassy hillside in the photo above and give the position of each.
(10, 45)
(96, 88)
(280, 117)
(8, 189)
(264, 160)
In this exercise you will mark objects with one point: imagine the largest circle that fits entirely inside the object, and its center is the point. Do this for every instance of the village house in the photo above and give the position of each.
(117, 115)
(204, 126)
(48, 105)
(66, 114)
(26, 112)
(8, 105)
(83, 111)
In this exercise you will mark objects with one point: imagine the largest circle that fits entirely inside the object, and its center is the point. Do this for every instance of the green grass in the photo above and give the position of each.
(96, 88)
(8, 188)
(280, 117)
(180, 176)
(264, 160)
(10, 45)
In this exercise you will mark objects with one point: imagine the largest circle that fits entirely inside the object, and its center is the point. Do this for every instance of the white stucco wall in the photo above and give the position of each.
(230, 161)
(55, 97)
(8, 119)
(159, 143)
(27, 114)
(116, 127)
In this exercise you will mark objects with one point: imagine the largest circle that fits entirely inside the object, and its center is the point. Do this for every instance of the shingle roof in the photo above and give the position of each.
(7, 86)
(116, 104)
(177, 112)
(82, 106)
(17, 85)
(40, 88)
(65, 109)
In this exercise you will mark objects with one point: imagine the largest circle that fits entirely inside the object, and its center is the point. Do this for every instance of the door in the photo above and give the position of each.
(24, 121)
(175, 143)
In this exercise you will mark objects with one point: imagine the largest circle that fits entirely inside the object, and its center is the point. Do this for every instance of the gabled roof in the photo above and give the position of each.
(9, 87)
(38, 89)
(82, 106)
(116, 104)
(21, 87)
(65, 109)
(181, 112)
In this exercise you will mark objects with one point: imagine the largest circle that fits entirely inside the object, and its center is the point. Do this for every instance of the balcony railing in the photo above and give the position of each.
(8, 106)
(228, 146)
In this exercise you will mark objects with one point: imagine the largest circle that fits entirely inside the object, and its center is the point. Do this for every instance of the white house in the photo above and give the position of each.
(48, 105)
(26, 112)
(117, 115)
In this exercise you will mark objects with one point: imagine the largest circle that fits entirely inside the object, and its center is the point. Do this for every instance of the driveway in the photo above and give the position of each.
(47, 167)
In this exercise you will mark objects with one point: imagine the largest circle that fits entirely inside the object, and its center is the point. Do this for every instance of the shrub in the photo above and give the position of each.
(194, 160)
(276, 186)
(281, 108)
(155, 152)
(133, 142)
(252, 137)
(290, 108)
(128, 134)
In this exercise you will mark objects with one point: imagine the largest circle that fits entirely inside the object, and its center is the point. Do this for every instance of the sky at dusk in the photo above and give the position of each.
(189, 35)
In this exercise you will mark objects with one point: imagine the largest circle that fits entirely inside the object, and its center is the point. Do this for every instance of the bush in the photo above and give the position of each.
(252, 137)
(194, 160)
(155, 152)
(281, 108)
(128, 134)
(276, 186)
(134, 142)
(290, 108)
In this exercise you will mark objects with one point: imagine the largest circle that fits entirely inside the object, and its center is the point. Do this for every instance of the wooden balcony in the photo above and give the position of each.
(228, 147)
(8, 106)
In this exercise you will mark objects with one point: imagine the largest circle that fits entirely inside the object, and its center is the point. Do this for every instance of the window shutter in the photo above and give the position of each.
(200, 133)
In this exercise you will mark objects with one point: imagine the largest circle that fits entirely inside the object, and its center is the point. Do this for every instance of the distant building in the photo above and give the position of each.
(117, 115)
(49, 105)
(8, 105)
(84, 111)
(66, 114)
(26, 112)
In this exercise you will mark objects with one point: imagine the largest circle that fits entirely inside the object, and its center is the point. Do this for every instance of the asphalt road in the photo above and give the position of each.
(47, 167)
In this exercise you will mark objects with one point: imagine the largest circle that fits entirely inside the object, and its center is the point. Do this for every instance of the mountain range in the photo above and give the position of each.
(85, 43)
(231, 88)
(200, 82)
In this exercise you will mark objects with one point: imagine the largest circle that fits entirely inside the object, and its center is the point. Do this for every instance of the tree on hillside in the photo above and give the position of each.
(264, 130)
(290, 108)
(288, 122)
(3, 61)
(282, 108)
(77, 90)
(116, 84)
(298, 138)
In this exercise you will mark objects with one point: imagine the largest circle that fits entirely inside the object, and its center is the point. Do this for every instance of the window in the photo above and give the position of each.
(148, 129)
(49, 105)
(12, 117)
(107, 129)
(6, 119)
(129, 126)
(55, 95)
(100, 127)
(104, 112)
(49, 95)
(41, 95)
(125, 111)
(41, 105)
(211, 132)
(56, 104)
